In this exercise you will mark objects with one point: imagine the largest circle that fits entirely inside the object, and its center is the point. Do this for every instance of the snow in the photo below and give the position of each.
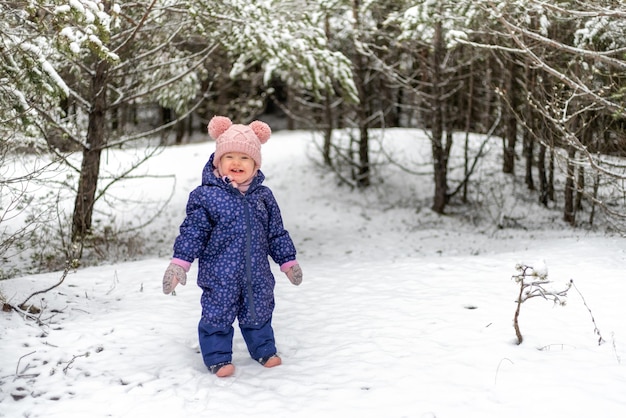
(402, 312)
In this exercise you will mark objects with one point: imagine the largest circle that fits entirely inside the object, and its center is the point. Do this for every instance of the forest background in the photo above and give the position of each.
(79, 78)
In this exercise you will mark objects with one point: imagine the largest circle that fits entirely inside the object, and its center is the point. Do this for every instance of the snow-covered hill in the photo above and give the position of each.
(402, 313)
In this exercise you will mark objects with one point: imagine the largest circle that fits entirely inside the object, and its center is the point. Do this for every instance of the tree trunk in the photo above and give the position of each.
(468, 129)
(529, 147)
(596, 186)
(180, 131)
(569, 211)
(328, 112)
(580, 186)
(550, 188)
(362, 111)
(487, 103)
(90, 168)
(543, 177)
(328, 130)
(529, 130)
(587, 139)
(440, 157)
(508, 158)
(363, 174)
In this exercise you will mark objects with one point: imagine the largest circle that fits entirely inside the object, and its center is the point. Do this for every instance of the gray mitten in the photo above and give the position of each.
(173, 275)
(294, 274)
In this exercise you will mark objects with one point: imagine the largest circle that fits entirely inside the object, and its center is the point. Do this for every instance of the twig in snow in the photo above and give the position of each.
(595, 326)
(495, 379)
(68, 266)
(71, 362)
(17, 368)
(619, 359)
(113, 284)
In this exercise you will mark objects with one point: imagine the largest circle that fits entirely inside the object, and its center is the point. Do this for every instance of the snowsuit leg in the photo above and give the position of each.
(215, 330)
(216, 343)
(259, 339)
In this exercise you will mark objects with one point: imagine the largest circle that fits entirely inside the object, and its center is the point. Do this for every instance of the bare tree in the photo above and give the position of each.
(572, 54)
(20, 224)
(159, 59)
(143, 55)
(31, 82)
(586, 86)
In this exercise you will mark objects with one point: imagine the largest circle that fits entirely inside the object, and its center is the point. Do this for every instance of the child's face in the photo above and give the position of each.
(238, 166)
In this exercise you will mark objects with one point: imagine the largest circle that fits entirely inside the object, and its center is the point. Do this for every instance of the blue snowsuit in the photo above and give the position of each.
(232, 234)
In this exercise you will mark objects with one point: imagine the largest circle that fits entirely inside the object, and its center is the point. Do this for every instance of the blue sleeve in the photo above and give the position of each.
(195, 230)
(281, 247)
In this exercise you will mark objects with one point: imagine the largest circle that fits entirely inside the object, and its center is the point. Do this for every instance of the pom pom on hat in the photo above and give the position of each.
(231, 137)
(262, 130)
(218, 125)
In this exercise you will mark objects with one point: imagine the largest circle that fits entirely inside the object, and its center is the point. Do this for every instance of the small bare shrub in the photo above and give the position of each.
(532, 283)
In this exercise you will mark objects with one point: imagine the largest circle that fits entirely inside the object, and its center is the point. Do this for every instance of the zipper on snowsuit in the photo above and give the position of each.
(248, 258)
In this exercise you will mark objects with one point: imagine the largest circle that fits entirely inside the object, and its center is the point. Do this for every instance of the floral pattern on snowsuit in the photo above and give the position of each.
(232, 234)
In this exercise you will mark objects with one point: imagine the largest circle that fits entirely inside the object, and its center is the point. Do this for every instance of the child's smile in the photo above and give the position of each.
(239, 167)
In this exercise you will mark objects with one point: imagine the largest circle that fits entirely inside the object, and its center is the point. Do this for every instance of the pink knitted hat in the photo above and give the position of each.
(238, 138)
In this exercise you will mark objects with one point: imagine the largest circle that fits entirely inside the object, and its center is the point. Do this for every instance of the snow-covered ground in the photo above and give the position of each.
(402, 313)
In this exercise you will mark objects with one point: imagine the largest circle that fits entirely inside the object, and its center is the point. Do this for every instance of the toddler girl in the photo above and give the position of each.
(233, 224)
